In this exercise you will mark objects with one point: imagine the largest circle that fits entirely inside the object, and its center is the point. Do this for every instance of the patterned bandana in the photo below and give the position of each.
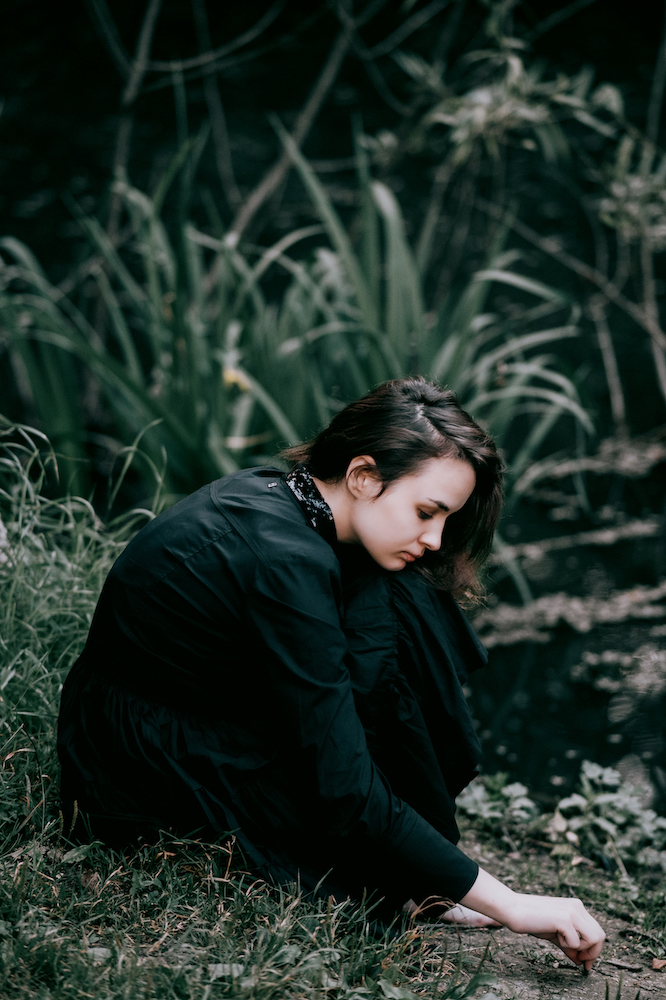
(316, 510)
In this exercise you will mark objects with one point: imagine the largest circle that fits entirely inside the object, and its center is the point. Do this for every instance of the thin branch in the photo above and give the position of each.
(583, 270)
(631, 459)
(369, 12)
(407, 28)
(656, 94)
(556, 18)
(509, 623)
(225, 63)
(140, 63)
(652, 309)
(443, 176)
(110, 35)
(361, 50)
(225, 167)
(449, 33)
(609, 358)
(304, 123)
(205, 58)
(622, 259)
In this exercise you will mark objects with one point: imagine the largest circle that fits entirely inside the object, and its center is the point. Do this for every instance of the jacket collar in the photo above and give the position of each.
(317, 512)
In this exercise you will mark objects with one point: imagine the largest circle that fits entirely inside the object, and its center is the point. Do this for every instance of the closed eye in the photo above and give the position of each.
(425, 516)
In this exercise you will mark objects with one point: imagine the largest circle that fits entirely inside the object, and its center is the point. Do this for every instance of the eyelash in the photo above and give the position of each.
(425, 516)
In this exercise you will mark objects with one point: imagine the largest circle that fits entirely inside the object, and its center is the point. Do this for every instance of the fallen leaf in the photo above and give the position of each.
(658, 963)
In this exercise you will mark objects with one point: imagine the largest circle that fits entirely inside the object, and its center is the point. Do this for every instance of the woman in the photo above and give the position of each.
(214, 695)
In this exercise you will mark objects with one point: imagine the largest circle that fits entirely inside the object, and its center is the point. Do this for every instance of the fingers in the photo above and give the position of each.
(591, 940)
(568, 937)
(572, 928)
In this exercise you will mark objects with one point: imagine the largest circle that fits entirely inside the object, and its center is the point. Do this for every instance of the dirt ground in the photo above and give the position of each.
(530, 969)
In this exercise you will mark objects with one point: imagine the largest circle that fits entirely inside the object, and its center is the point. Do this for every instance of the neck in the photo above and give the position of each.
(338, 499)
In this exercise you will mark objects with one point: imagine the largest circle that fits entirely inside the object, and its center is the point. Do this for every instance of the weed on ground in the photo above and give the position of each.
(181, 919)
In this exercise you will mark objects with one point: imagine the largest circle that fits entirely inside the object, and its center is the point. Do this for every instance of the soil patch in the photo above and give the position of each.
(530, 969)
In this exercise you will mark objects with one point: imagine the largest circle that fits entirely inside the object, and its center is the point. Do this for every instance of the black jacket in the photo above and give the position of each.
(214, 694)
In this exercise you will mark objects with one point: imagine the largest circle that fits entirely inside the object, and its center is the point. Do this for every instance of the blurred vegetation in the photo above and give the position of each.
(229, 349)
(501, 231)
(499, 228)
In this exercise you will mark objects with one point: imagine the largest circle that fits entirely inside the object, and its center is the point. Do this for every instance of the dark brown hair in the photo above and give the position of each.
(401, 424)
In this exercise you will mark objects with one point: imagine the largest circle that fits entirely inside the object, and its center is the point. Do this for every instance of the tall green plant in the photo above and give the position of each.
(227, 374)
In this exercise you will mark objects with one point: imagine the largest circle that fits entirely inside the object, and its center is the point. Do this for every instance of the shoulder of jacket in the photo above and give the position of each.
(268, 519)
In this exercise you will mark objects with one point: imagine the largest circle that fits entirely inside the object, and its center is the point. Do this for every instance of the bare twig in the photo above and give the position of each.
(511, 623)
(222, 63)
(443, 175)
(123, 136)
(459, 228)
(304, 123)
(583, 270)
(656, 94)
(351, 26)
(406, 29)
(618, 409)
(111, 37)
(632, 459)
(218, 122)
(134, 73)
(449, 33)
(651, 308)
(212, 55)
(140, 63)
(556, 18)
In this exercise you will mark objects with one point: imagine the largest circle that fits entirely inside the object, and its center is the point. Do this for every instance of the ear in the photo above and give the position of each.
(362, 479)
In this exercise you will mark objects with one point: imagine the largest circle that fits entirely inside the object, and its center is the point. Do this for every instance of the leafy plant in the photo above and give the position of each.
(226, 376)
(605, 817)
(608, 815)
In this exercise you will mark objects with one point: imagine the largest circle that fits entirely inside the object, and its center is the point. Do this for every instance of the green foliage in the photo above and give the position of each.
(606, 816)
(180, 919)
(175, 919)
(609, 814)
(226, 375)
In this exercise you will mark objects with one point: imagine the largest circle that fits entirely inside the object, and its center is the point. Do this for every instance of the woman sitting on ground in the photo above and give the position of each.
(214, 691)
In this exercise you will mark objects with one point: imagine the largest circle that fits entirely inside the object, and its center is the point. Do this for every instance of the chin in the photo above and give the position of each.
(388, 562)
(393, 563)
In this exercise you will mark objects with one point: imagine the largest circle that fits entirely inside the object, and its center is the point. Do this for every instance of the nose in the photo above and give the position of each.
(431, 538)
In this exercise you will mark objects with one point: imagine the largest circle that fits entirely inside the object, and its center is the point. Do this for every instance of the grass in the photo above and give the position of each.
(175, 919)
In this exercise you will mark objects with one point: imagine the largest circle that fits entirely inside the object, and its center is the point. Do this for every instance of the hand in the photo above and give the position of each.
(562, 920)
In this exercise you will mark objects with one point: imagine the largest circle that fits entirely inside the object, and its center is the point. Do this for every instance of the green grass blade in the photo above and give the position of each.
(538, 288)
(334, 227)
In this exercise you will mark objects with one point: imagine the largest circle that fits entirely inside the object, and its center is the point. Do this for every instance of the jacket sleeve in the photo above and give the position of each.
(325, 779)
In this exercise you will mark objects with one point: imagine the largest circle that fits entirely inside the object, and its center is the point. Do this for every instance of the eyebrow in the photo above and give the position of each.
(438, 503)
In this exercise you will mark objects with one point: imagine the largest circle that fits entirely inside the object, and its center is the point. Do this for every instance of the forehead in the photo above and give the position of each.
(441, 473)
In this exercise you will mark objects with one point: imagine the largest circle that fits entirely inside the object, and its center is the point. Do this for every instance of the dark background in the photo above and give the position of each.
(61, 93)
(58, 129)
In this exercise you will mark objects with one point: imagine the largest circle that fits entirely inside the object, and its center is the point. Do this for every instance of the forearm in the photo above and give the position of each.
(490, 896)
(563, 920)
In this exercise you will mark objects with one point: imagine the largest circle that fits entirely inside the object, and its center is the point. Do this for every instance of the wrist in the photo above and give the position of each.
(490, 896)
